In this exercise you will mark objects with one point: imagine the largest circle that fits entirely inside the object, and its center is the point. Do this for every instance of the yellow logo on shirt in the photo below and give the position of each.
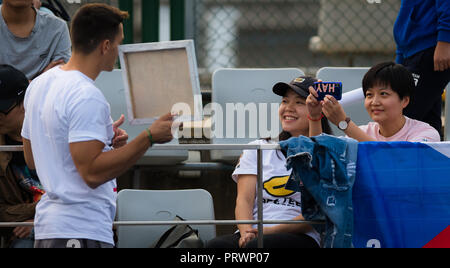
(275, 187)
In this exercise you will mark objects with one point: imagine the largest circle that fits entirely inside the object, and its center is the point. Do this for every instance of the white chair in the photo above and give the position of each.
(447, 114)
(156, 205)
(351, 78)
(247, 87)
(112, 86)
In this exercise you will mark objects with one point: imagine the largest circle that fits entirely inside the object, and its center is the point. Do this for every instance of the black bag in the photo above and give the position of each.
(179, 236)
(57, 8)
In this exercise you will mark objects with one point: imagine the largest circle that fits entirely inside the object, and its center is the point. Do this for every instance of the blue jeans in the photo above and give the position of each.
(324, 169)
(27, 242)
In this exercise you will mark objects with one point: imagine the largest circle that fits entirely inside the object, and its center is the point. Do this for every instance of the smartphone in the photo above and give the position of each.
(328, 88)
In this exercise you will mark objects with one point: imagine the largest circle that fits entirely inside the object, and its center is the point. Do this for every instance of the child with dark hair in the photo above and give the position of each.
(388, 88)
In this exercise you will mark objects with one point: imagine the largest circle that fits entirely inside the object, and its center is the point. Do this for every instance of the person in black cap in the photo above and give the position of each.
(278, 203)
(301, 87)
(20, 189)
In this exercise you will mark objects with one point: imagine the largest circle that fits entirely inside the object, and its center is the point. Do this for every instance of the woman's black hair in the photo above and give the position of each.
(390, 74)
(325, 128)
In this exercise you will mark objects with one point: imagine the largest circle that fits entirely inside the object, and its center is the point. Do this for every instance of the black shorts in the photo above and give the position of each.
(426, 103)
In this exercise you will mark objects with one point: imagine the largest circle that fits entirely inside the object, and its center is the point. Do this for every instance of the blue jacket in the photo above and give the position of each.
(420, 25)
(323, 170)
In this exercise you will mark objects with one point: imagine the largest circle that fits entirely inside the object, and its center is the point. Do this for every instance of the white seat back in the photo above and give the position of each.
(250, 87)
(156, 205)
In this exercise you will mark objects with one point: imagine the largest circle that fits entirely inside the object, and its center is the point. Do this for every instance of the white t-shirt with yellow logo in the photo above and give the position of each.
(278, 203)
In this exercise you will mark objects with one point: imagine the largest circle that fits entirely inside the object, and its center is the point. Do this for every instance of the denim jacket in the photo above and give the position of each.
(324, 169)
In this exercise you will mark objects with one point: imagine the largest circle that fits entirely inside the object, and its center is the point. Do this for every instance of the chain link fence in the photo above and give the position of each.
(308, 34)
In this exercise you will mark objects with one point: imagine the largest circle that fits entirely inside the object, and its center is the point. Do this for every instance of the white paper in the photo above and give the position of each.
(351, 97)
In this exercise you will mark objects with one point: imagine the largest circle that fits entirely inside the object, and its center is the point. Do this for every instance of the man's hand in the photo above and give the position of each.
(442, 57)
(161, 129)
(23, 231)
(120, 136)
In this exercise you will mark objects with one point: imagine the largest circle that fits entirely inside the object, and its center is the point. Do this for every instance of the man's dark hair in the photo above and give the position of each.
(390, 74)
(94, 23)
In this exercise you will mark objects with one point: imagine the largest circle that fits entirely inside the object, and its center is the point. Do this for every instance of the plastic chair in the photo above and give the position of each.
(447, 114)
(351, 78)
(112, 86)
(155, 205)
(248, 87)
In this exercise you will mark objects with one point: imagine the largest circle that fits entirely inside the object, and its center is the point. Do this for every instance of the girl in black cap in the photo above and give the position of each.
(278, 203)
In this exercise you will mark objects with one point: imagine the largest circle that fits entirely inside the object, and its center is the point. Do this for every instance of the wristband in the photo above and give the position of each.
(150, 137)
(315, 120)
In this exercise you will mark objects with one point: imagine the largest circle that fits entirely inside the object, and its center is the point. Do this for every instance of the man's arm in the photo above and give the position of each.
(97, 167)
(28, 154)
(442, 52)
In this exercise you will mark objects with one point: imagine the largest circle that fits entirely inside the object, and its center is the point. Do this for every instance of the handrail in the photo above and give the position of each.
(200, 147)
(189, 147)
(11, 148)
(187, 222)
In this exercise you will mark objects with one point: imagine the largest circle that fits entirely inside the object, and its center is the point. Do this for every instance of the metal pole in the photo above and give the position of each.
(127, 5)
(150, 21)
(177, 18)
(190, 222)
(259, 178)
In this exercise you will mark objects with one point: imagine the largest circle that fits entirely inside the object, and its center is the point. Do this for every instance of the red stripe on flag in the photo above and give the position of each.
(440, 241)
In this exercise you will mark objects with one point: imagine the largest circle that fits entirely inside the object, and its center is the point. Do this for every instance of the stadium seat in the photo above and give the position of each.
(159, 205)
(112, 86)
(247, 87)
(351, 78)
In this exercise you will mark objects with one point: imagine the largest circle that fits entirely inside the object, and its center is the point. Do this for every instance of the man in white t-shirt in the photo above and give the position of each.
(71, 140)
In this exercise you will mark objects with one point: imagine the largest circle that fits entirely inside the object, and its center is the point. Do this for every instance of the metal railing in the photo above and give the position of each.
(200, 147)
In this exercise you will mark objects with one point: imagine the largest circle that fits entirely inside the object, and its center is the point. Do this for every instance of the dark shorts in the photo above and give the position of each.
(70, 243)
(426, 103)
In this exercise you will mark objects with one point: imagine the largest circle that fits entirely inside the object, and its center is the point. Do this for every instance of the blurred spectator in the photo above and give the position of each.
(422, 33)
(20, 189)
(32, 41)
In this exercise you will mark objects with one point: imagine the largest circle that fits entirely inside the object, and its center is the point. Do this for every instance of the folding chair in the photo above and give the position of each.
(248, 87)
(351, 78)
(156, 205)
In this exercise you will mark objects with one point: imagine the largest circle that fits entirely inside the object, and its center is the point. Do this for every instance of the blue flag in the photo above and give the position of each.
(401, 196)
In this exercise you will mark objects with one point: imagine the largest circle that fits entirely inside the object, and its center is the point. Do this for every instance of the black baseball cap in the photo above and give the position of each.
(300, 85)
(13, 85)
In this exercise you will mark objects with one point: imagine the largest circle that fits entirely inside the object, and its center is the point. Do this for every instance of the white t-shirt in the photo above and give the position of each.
(63, 107)
(278, 203)
(413, 131)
